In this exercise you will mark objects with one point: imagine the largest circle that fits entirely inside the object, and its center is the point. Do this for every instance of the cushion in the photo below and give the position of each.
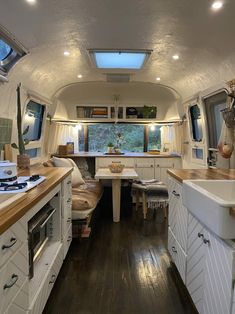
(67, 162)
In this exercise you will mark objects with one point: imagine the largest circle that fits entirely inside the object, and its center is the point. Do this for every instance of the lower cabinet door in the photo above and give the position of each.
(219, 273)
(195, 261)
(47, 284)
(20, 303)
(67, 240)
(180, 261)
(172, 245)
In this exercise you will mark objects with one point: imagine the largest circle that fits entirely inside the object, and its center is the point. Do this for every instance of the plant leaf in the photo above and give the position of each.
(13, 145)
(26, 141)
(26, 130)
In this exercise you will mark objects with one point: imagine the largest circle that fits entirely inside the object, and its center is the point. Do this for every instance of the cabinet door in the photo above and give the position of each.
(145, 173)
(195, 261)
(218, 288)
(174, 204)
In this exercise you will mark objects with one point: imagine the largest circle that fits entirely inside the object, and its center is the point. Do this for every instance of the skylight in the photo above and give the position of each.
(120, 59)
(4, 50)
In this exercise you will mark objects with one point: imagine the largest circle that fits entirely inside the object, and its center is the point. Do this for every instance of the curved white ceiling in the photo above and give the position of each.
(203, 39)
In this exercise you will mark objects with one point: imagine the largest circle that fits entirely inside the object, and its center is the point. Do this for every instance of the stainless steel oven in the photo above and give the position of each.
(40, 230)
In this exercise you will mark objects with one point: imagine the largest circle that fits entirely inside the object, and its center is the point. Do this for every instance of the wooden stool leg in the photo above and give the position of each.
(137, 200)
(145, 208)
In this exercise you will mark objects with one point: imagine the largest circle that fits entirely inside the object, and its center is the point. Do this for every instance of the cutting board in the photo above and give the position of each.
(7, 201)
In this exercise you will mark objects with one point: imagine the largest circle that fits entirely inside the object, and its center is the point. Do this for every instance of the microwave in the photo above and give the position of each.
(40, 231)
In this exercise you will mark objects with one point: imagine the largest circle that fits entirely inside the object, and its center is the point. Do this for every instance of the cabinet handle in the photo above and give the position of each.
(175, 194)
(158, 166)
(53, 279)
(174, 249)
(200, 235)
(69, 239)
(69, 182)
(206, 241)
(14, 279)
(69, 200)
(7, 246)
(69, 219)
(151, 166)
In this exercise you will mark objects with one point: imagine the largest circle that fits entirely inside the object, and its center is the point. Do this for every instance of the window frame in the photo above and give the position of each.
(37, 144)
(145, 135)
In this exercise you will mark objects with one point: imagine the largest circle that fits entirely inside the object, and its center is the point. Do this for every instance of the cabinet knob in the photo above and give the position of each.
(69, 219)
(200, 235)
(174, 249)
(175, 194)
(13, 281)
(69, 182)
(12, 242)
(69, 200)
(206, 241)
(53, 278)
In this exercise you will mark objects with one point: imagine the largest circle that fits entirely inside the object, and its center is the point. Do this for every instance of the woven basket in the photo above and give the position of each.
(116, 167)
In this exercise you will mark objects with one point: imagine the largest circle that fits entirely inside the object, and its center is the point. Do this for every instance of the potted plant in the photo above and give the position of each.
(23, 160)
(110, 147)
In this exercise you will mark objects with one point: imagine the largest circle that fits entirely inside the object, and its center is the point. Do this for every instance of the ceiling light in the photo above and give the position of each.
(31, 1)
(217, 5)
(66, 53)
(79, 75)
(175, 57)
(120, 59)
(158, 78)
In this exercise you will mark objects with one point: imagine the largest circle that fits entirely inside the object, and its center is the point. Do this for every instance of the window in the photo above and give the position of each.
(120, 59)
(34, 118)
(214, 104)
(128, 137)
(196, 123)
(5, 50)
(9, 55)
(154, 138)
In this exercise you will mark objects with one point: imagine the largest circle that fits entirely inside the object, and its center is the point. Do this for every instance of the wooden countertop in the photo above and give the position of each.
(202, 174)
(125, 155)
(54, 175)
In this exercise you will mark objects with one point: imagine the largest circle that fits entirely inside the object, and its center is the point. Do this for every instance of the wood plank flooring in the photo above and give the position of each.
(123, 268)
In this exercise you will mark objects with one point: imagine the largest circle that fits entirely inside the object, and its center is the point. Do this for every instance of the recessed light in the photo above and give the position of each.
(66, 53)
(79, 75)
(158, 78)
(217, 5)
(175, 57)
(31, 1)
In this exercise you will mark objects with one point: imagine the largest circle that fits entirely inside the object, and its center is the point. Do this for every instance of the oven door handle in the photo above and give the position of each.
(48, 217)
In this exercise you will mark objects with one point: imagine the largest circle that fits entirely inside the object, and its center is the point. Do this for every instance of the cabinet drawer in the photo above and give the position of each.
(104, 162)
(67, 240)
(47, 284)
(20, 305)
(67, 187)
(164, 163)
(12, 239)
(144, 163)
(13, 276)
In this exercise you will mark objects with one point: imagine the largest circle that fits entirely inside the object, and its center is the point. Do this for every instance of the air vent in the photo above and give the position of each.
(117, 78)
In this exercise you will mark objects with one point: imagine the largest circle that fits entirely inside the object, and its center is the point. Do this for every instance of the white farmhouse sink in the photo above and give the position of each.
(210, 201)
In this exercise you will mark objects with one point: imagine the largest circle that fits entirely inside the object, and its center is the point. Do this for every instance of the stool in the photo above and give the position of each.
(154, 195)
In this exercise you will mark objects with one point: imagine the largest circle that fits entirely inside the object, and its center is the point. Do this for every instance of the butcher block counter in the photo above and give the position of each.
(202, 174)
(11, 214)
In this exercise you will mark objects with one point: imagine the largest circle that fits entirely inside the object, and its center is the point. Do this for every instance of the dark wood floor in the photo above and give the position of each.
(123, 268)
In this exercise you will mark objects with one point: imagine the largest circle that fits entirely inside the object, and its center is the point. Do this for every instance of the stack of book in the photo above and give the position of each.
(99, 112)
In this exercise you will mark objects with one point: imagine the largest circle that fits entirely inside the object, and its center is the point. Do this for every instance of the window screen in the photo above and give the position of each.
(214, 105)
(34, 119)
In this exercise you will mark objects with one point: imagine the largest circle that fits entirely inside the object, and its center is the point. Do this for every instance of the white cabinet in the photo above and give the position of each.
(177, 234)
(145, 168)
(210, 270)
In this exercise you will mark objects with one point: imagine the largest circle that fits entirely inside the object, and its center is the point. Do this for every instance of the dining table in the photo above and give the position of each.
(125, 174)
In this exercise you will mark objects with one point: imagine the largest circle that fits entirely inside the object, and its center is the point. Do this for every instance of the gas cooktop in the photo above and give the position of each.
(22, 184)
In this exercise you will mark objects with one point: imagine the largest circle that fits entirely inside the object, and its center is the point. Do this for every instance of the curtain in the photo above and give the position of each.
(171, 138)
(60, 134)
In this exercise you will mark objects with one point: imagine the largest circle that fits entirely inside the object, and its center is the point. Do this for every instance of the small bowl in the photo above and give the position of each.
(116, 167)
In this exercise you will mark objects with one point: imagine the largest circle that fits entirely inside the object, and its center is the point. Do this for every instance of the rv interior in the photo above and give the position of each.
(117, 168)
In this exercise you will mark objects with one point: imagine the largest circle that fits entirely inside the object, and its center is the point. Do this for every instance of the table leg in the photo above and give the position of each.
(116, 187)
